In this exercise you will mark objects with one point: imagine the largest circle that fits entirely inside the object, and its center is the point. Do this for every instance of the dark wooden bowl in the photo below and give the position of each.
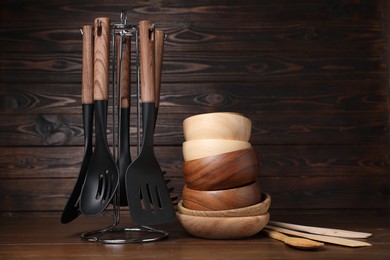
(239, 197)
(222, 171)
(254, 210)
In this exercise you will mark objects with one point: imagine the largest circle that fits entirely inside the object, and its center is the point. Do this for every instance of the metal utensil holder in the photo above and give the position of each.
(114, 234)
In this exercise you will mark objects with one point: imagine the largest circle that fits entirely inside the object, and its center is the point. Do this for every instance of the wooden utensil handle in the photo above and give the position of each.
(87, 68)
(147, 41)
(102, 27)
(159, 50)
(322, 231)
(274, 234)
(123, 78)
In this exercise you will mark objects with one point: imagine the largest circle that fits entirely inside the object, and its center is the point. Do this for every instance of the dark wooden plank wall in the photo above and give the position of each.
(311, 75)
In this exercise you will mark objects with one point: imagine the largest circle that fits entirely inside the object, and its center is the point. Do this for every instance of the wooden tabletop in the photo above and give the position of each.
(40, 237)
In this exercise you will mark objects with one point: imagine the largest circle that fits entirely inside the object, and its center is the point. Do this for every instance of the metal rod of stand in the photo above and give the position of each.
(138, 92)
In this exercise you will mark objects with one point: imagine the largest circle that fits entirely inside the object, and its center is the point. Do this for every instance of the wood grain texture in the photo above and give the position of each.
(87, 63)
(147, 61)
(43, 237)
(322, 97)
(102, 30)
(268, 128)
(299, 193)
(158, 60)
(223, 171)
(123, 69)
(311, 177)
(311, 75)
(292, 161)
(199, 66)
(225, 199)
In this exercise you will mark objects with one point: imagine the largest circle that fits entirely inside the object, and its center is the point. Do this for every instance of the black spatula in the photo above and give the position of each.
(102, 177)
(123, 81)
(72, 208)
(159, 37)
(147, 194)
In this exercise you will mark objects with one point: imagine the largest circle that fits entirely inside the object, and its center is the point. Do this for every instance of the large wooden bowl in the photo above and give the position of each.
(223, 228)
(239, 197)
(222, 171)
(254, 210)
(221, 125)
(196, 149)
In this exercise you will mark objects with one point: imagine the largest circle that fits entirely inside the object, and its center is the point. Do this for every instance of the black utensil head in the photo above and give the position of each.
(100, 185)
(148, 196)
(72, 208)
(102, 178)
(147, 192)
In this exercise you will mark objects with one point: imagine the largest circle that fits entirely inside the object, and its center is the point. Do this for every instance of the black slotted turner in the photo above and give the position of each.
(159, 38)
(102, 177)
(123, 46)
(72, 208)
(147, 193)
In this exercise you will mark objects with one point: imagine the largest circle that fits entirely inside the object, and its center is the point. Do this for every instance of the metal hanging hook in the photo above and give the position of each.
(99, 27)
(152, 27)
(124, 17)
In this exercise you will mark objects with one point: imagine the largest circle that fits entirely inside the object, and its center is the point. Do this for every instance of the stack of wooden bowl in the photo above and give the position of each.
(221, 197)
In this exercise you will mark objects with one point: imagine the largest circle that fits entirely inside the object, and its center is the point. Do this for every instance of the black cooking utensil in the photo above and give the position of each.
(123, 45)
(72, 207)
(147, 194)
(159, 50)
(102, 177)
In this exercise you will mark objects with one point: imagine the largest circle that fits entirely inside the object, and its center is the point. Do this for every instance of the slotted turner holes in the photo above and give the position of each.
(150, 198)
(107, 186)
(157, 192)
(99, 190)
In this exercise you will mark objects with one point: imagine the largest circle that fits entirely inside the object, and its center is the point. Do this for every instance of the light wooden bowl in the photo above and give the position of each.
(223, 228)
(254, 210)
(196, 149)
(221, 125)
(239, 197)
(222, 171)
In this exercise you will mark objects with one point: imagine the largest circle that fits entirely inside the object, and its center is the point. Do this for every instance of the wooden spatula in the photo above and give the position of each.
(327, 239)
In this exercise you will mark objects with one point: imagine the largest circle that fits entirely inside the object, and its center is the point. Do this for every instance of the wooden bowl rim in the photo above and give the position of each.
(235, 145)
(257, 209)
(203, 229)
(234, 114)
(216, 156)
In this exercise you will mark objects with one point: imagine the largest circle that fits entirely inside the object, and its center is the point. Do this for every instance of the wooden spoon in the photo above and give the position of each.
(296, 242)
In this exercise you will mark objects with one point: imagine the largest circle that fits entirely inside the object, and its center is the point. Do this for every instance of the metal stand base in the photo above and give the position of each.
(126, 235)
